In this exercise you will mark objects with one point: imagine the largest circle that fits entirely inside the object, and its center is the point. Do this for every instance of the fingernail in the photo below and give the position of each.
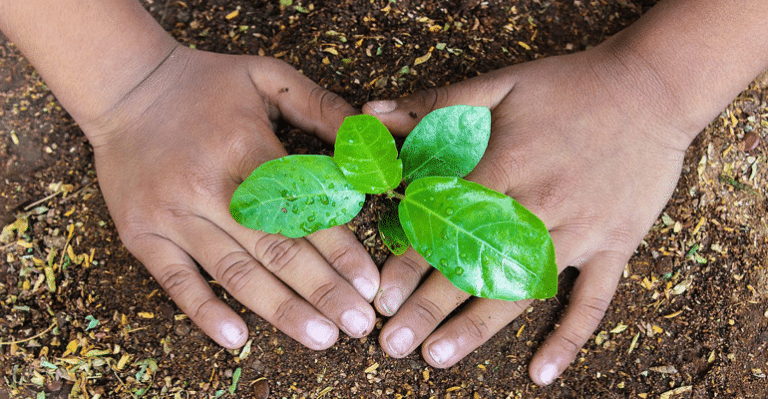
(355, 322)
(382, 107)
(548, 373)
(319, 331)
(232, 333)
(365, 287)
(442, 350)
(390, 300)
(400, 341)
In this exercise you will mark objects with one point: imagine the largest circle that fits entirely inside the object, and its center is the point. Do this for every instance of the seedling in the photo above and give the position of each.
(483, 241)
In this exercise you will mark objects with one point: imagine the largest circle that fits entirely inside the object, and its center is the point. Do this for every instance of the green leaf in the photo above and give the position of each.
(484, 242)
(295, 196)
(447, 142)
(366, 153)
(392, 231)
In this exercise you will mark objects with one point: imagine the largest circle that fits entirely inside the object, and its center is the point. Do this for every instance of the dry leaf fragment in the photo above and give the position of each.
(664, 369)
(601, 337)
(682, 286)
(619, 328)
(424, 58)
(675, 314)
(633, 345)
(372, 368)
(676, 391)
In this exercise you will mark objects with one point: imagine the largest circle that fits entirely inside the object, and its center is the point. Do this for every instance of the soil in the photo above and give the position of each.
(81, 317)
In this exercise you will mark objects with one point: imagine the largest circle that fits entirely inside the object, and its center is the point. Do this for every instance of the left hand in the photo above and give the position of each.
(587, 143)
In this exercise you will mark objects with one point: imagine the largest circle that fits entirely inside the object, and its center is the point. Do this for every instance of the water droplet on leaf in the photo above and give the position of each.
(459, 271)
(324, 199)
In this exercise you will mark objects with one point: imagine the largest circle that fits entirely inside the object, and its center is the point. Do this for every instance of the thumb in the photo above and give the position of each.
(298, 99)
(402, 115)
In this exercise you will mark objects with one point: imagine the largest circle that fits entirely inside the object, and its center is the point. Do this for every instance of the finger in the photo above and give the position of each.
(252, 285)
(343, 251)
(253, 277)
(420, 315)
(400, 276)
(403, 114)
(474, 325)
(590, 298)
(177, 273)
(299, 100)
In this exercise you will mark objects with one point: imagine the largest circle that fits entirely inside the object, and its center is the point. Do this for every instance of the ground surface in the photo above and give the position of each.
(81, 316)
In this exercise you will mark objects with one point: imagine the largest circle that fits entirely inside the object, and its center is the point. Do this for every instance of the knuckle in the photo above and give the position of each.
(203, 183)
(618, 239)
(243, 148)
(324, 295)
(176, 280)
(341, 256)
(569, 341)
(279, 253)
(235, 274)
(475, 327)
(503, 170)
(593, 309)
(431, 96)
(410, 269)
(547, 194)
(328, 100)
(428, 311)
(286, 311)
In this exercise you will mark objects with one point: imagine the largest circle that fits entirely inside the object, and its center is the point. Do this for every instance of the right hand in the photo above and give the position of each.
(170, 154)
(584, 142)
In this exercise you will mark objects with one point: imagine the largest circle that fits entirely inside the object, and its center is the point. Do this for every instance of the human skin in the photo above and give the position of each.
(591, 142)
(174, 132)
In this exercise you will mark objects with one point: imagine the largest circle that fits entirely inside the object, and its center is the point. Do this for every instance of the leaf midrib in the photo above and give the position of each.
(484, 242)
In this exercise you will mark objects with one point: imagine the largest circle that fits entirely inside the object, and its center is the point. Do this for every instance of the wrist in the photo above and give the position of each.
(90, 53)
(643, 95)
(692, 58)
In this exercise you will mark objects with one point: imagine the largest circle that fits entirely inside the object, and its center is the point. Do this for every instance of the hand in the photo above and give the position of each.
(585, 142)
(169, 156)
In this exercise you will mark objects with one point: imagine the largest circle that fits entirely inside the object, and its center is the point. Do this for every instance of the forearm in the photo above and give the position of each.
(702, 52)
(90, 53)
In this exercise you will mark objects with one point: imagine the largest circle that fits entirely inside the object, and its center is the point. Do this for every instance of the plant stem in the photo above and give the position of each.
(394, 194)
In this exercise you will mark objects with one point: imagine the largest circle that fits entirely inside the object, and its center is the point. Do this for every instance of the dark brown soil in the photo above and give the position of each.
(690, 319)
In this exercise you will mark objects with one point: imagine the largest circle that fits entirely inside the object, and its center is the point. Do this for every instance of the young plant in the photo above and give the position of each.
(483, 241)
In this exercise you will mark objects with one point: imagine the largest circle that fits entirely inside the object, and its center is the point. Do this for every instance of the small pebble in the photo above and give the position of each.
(261, 389)
(751, 141)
